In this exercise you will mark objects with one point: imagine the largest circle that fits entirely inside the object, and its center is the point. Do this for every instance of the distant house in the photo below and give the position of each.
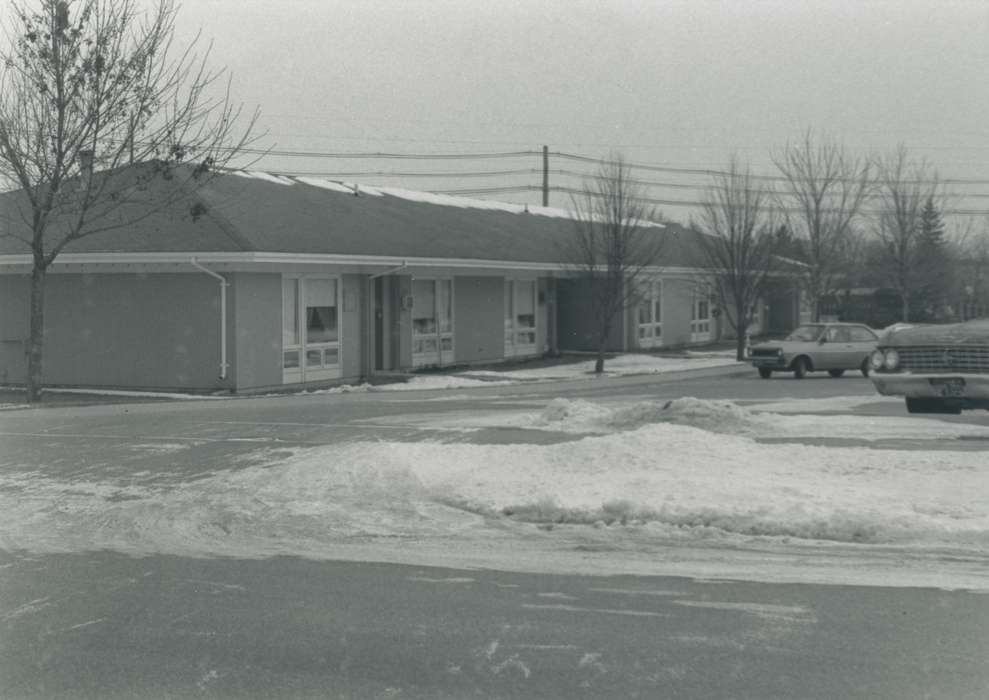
(257, 281)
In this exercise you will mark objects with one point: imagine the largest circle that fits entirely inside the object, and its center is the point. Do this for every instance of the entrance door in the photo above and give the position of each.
(650, 315)
(700, 317)
(310, 329)
(520, 318)
(432, 322)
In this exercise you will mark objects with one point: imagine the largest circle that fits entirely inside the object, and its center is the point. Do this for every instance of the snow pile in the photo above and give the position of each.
(715, 416)
(623, 365)
(670, 483)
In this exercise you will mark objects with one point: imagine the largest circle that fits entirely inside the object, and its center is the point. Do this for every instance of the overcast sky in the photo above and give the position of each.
(669, 83)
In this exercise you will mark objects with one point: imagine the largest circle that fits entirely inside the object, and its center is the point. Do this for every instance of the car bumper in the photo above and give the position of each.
(770, 362)
(933, 386)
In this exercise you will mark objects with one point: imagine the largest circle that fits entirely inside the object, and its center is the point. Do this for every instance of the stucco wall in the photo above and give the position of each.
(156, 331)
(478, 313)
(256, 310)
(14, 297)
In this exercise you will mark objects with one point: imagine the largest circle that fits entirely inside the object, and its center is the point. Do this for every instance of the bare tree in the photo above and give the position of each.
(823, 192)
(737, 242)
(87, 88)
(905, 188)
(616, 238)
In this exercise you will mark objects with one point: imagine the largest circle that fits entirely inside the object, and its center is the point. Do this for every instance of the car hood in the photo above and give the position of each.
(968, 333)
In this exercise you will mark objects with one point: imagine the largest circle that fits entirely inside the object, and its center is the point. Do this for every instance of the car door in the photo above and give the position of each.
(862, 343)
(830, 350)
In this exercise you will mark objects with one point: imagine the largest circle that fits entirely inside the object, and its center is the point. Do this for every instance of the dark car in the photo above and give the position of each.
(937, 368)
(812, 347)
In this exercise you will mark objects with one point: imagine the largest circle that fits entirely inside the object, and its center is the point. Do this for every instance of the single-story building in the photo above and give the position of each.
(255, 281)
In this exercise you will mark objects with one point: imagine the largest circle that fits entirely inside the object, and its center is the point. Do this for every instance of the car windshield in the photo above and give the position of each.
(806, 334)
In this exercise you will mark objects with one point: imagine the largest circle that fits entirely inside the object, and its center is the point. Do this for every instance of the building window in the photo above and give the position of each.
(650, 315)
(520, 317)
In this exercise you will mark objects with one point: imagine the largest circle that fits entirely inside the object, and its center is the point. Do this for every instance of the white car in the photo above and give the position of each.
(831, 347)
(936, 368)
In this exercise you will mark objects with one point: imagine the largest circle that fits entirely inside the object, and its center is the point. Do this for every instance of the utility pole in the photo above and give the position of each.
(545, 176)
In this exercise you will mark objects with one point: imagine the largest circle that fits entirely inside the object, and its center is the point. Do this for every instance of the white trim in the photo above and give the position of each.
(249, 257)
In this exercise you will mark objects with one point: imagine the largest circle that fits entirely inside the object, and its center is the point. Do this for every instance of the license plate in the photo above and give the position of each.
(952, 386)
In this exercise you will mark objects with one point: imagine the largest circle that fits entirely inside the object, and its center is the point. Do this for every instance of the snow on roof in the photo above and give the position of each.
(417, 196)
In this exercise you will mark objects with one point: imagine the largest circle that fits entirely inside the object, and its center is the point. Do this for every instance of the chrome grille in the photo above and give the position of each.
(945, 359)
(763, 352)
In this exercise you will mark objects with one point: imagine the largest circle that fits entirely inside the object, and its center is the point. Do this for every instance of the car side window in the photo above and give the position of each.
(832, 335)
(862, 335)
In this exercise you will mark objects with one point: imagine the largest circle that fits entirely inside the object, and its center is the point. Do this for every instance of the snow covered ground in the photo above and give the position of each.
(674, 487)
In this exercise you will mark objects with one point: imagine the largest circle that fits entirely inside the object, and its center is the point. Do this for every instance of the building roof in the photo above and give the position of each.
(263, 213)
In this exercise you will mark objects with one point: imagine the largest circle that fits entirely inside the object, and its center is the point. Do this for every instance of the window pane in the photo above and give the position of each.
(314, 358)
(290, 359)
(321, 324)
(423, 299)
(525, 297)
(321, 292)
(331, 356)
(424, 326)
(290, 312)
(527, 338)
(429, 345)
(445, 305)
(644, 314)
(446, 344)
(526, 321)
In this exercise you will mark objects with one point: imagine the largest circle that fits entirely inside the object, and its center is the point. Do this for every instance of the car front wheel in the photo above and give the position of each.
(800, 367)
(765, 372)
(864, 368)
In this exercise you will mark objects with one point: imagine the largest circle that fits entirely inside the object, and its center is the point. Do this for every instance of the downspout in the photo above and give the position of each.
(223, 314)
(369, 315)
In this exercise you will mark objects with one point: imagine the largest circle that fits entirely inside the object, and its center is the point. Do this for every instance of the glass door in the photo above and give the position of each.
(310, 329)
(432, 322)
(650, 315)
(520, 317)
(700, 317)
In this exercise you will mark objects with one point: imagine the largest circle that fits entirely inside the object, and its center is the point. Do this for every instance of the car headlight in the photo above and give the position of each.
(891, 360)
(877, 359)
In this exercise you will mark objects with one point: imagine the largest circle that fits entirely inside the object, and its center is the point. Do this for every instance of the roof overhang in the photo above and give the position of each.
(95, 262)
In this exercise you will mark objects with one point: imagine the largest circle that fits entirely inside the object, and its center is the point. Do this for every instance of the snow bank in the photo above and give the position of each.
(672, 483)
(716, 416)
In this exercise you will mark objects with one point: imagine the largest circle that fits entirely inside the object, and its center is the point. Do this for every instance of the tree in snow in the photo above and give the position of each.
(616, 239)
(906, 188)
(87, 88)
(822, 195)
(737, 243)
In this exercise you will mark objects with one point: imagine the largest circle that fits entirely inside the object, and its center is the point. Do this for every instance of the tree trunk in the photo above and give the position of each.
(36, 335)
(602, 343)
(905, 308)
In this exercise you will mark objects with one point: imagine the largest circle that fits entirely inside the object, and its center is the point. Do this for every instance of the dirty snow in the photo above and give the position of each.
(716, 416)
(653, 490)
